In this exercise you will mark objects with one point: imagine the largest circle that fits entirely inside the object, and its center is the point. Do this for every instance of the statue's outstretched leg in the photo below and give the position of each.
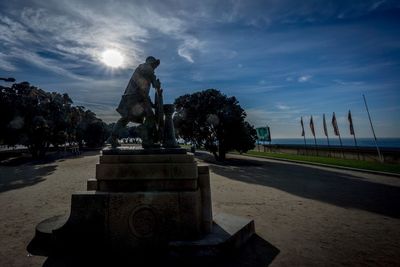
(113, 140)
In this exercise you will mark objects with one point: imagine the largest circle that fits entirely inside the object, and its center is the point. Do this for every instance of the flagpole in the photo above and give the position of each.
(337, 132)
(313, 133)
(329, 146)
(315, 142)
(373, 132)
(341, 145)
(355, 143)
(304, 135)
(326, 134)
(352, 132)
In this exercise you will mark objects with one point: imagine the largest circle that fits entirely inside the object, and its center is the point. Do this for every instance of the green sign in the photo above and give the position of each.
(263, 134)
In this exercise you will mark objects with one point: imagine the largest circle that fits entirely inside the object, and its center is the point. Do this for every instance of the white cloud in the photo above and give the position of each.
(261, 116)
(289, 47)
(106, 111)
(376, 5)
(44, 63)
(187, 48)
(81, 34)
(185, 53)
(255, 89)
(304, 78)
(73, 34)
(282, 107)
(5, 64)
(341, 82)
(13, 32)
(257, 117)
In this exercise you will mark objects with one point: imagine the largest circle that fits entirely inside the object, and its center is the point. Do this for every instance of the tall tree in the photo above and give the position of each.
(31, 118)
(90, 129)
(214, 121)
(38, 119)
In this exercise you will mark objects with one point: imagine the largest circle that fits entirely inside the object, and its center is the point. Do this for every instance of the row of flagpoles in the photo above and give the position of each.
(337, 132)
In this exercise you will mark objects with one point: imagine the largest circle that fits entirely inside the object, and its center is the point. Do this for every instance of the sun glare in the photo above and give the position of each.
(112, 58)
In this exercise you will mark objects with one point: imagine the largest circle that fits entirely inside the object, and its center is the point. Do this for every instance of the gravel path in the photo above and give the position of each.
(313, 216)
(30, 193)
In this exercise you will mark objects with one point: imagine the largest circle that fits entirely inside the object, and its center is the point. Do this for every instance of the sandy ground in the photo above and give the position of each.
(304, 216)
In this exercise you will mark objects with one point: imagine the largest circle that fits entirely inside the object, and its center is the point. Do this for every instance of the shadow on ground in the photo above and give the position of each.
(21, 171)
(257, 252)
(15, 177)
(25, 158)
(337, 188)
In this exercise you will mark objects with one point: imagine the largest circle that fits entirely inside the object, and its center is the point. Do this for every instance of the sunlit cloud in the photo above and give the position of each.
(282, 107)
(304, 78)
(5, 63)
(187, 48)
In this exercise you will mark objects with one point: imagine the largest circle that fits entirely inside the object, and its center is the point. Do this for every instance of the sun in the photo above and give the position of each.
(112, 58)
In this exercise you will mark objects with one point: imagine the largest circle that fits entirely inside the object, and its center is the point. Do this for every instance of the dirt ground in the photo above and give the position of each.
(304, 216)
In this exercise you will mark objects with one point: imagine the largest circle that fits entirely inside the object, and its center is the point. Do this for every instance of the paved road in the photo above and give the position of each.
(314, 216)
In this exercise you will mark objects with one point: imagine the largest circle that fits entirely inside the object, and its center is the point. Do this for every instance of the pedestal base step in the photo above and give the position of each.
(228, 232)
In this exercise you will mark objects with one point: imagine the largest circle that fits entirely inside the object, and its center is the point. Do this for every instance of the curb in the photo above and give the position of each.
(325, 165)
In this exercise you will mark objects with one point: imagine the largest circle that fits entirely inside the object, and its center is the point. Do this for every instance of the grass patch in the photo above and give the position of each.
(359, 164)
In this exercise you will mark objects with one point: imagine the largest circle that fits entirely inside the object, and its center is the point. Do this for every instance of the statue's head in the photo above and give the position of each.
(153, 61)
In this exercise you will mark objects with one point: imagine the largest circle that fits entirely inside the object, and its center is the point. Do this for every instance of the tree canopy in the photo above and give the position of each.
(37, 119)
(214, 121)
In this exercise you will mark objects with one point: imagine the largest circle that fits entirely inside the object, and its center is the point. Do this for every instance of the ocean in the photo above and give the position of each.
(334, 141)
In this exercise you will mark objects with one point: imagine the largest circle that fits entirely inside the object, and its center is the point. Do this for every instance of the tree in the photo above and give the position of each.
(90, 129)
(215, 121)
(37, 119)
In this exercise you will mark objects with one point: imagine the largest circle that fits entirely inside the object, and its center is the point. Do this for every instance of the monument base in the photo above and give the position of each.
(141, 203)
(228, 232)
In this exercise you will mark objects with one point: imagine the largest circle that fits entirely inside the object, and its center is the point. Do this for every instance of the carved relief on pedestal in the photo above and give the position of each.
(143, 222)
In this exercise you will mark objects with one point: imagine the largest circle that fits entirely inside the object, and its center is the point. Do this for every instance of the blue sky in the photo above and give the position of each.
(281, 59)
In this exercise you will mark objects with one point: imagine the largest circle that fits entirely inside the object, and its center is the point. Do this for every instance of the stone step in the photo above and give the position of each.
(43, 243)
(228, 232)
(178, 158)
(146, 185)
(146, 171)
(127, 150)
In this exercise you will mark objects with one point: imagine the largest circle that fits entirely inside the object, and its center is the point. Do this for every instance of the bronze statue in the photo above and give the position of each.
(136, 105)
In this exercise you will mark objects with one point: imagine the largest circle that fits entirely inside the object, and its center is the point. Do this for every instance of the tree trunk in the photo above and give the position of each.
(215, 155)
(42, 151)
(33, 151)
(221, 152)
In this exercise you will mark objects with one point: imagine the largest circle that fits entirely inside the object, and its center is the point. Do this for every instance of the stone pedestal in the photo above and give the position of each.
(141, 201)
